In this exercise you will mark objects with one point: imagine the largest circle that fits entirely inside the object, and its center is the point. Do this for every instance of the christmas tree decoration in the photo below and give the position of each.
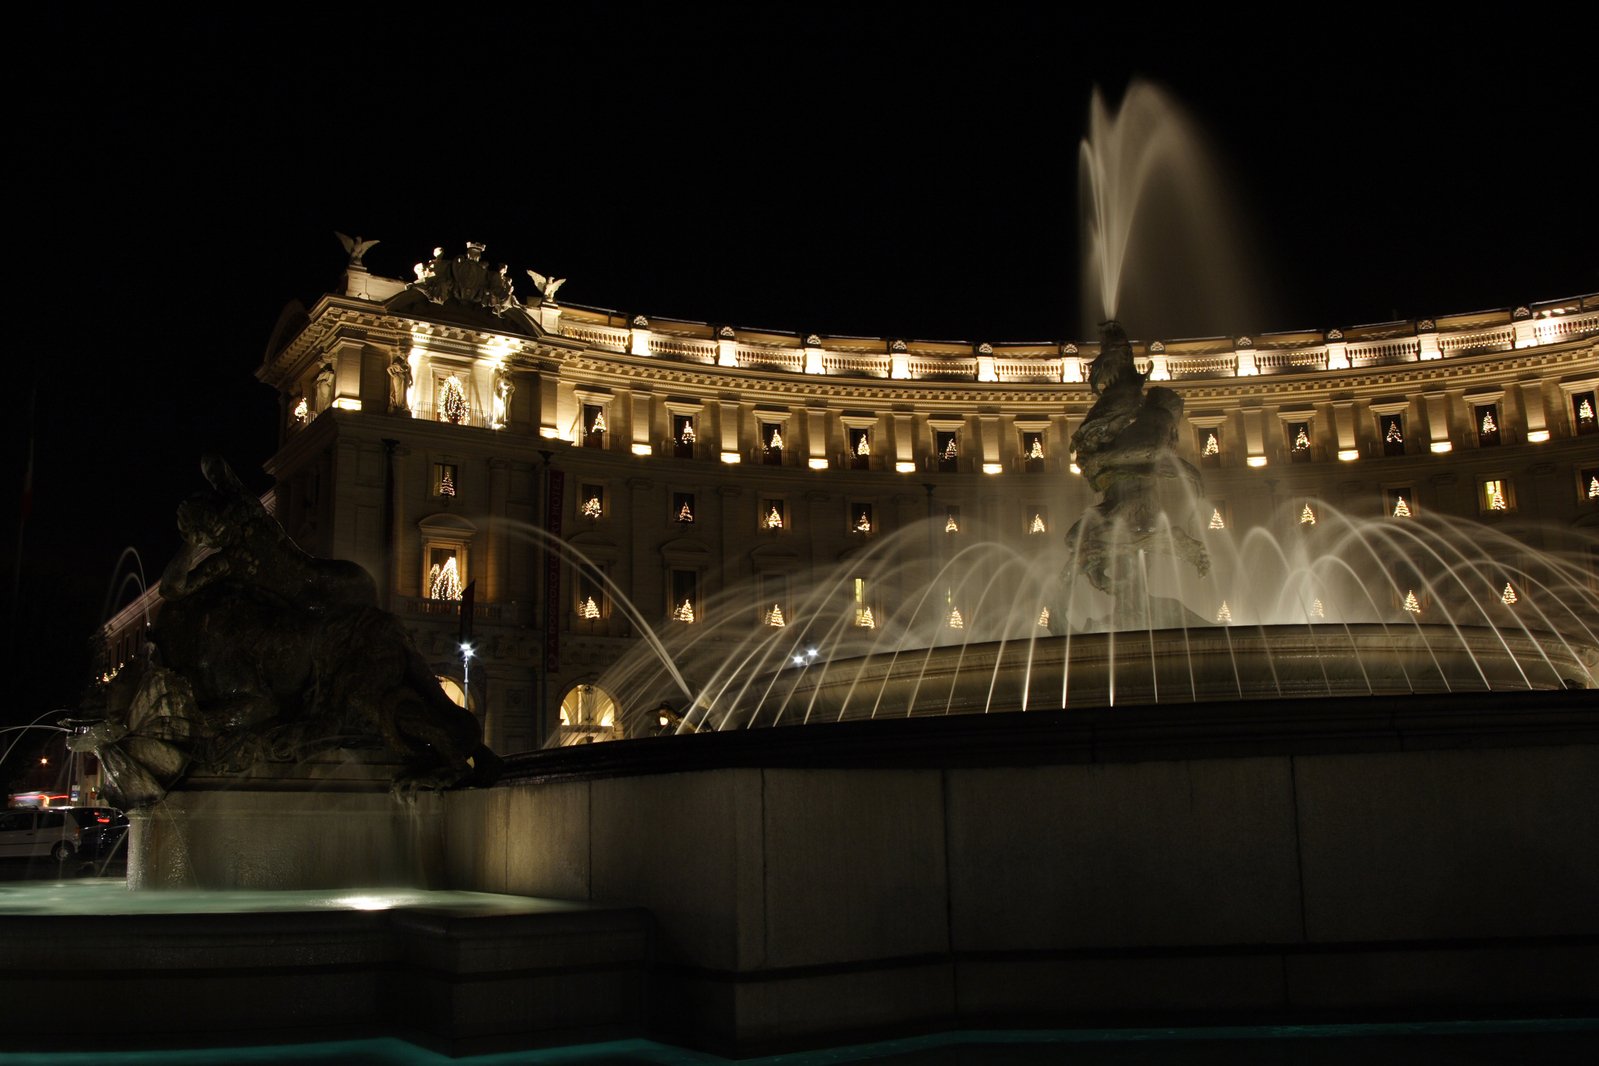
(1496, 497)
(1394, 436)
(774, 617)
(955, 619)
(775, 441)
(1224, 615)
(1401, 508)
(588, 609)
(685, 513)
(1043, 618)
(598, 425)
(1301, 440)
(1037, 524)
(447, 481)
(949, 449)
(1317, 610)
(1307, 517)
(951, 526)
(592, 508)
(1216, 520)
(1488, 423)
(444, 581)
(1508, 596)
(863, 445)
(1412, 604)
(1212, 445)
(453, 407)
(687, 436)
(864, 618)
(684, 611)
(863, 524)
(1037, 449)
(774, 518)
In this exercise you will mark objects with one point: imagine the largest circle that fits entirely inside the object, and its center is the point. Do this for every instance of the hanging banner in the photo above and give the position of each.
(552, 576)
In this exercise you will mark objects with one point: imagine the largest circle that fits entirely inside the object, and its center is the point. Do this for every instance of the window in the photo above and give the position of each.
(774, 600)
(947, 450)
(589, 715)
(1494, 496)
(1037, 520)
(1486, 417)
(446, 571)
(594, 426)
(952, 520)
(772, 516)
(772, 443)
(860, 449)
(860, 520)
(1033, 452)
(864, 616)
(683, 508)
(591, 502)
(1588, 485)
(451, 400)
(1585, 412)
(1392, 428)
(1209, 445)
(683, 436)
(1298, 441)
(685, 602)
(591, 601)
(1401, 503)
(444, 478)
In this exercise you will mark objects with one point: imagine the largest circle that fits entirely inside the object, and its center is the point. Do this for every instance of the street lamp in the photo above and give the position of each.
(466, 672)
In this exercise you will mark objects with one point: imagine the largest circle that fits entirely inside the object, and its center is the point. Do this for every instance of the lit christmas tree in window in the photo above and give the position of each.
(864, 618)
(685, 513)
(1508, 596)
(1585, 411)
(1496, 496)
(775, 441)
(1488, 423)
(1593, 487)
(452, 401)
(592, 508)
(951, 526)
(1212, 445)
(774, 518)
(444, 581)
(1037, 449)
(1307, 517)
(1216, 520)
(1412, 604)
(1301, 440)
(687, 436)
(863, 524)
(949, 449)
(774, 617)
(598, 425)
(447, 481)
(1037, 524)
(684, 611)
(955, 619)
(1401, 508)
(863, 445)
(302, 411)
(588, 609)
(1317, 610)
(1393, 436)
(1224, 615)
(1043, 618)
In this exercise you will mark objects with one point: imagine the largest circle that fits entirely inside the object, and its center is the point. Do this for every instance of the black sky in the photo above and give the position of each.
(904, 171)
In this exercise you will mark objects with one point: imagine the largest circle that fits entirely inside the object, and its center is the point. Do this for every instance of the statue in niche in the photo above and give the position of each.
(264, 656)
(1126, 448)
(400, 379)
(324, 387)
(504, 389)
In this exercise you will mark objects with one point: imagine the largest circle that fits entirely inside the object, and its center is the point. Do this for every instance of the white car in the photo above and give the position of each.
(27, 832)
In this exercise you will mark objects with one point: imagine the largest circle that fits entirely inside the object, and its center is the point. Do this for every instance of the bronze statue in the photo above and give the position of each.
(265, 654)
(1125, 448)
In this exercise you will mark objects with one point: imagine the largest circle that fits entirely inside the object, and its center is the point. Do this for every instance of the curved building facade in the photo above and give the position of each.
(445, 435)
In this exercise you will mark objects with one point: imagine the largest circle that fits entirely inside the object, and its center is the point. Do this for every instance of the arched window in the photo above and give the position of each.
(589, 714)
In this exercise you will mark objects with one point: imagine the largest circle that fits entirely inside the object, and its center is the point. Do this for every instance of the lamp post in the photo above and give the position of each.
(466, 673)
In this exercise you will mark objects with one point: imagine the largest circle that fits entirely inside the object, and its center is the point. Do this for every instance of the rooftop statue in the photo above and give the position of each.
(1126, 447)
(266, 656)
(466, 280)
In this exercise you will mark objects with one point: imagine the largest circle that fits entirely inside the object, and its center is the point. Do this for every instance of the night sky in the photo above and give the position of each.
(895, 172)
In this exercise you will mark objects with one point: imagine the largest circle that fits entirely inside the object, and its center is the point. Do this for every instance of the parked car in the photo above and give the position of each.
(59, 832)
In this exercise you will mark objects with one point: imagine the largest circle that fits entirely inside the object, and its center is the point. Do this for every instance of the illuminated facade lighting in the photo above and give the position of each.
(643, 449)
(731, 458)
(820, 464)
(347, 403)
(993, 468)
(901, 467)
(1256, 461)
(1348, 455)
(1537, 436)
(1442, 447)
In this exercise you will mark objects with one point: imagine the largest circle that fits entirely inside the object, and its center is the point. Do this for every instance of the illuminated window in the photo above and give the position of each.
(772, 514)
(864, 618)
(772, 443)
(1209, 445)
(444, 478)
(1401, 503)
(947, 449)
(774, 596)
(591, 601)
(683, 508)
(1037, 520)
(594, 426)
(1033, 452)
(452, 688)
(683, 436)
(589, 715)
(860, 518)
(1393, 434)
(860, 449)
(1494, 494)
(953, 617)
(1585, 412)
(1298, 441)
(1588, 485)
(591, 502)
(452, 406)
(446, 571)
(1486, 416)
(685, 602)
(952, 520)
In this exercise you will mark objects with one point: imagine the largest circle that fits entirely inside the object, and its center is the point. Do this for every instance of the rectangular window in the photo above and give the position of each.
(444, 478)
(1033, 452)
(1209, 445)
(947, 450)
(772, 515)
(860, 449)
(1037, 519)
(772, 443)
(1392, 428)
(594, 426)
(683, 436)
(860, 518)
(864, 616)
(1486, 416)
(1401, 503)
(1298, 441)
(685, 602)
(445, 574)
(591, 502)
(683, 508)
(1494, 495)
(450, 400)
(1585, 412)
